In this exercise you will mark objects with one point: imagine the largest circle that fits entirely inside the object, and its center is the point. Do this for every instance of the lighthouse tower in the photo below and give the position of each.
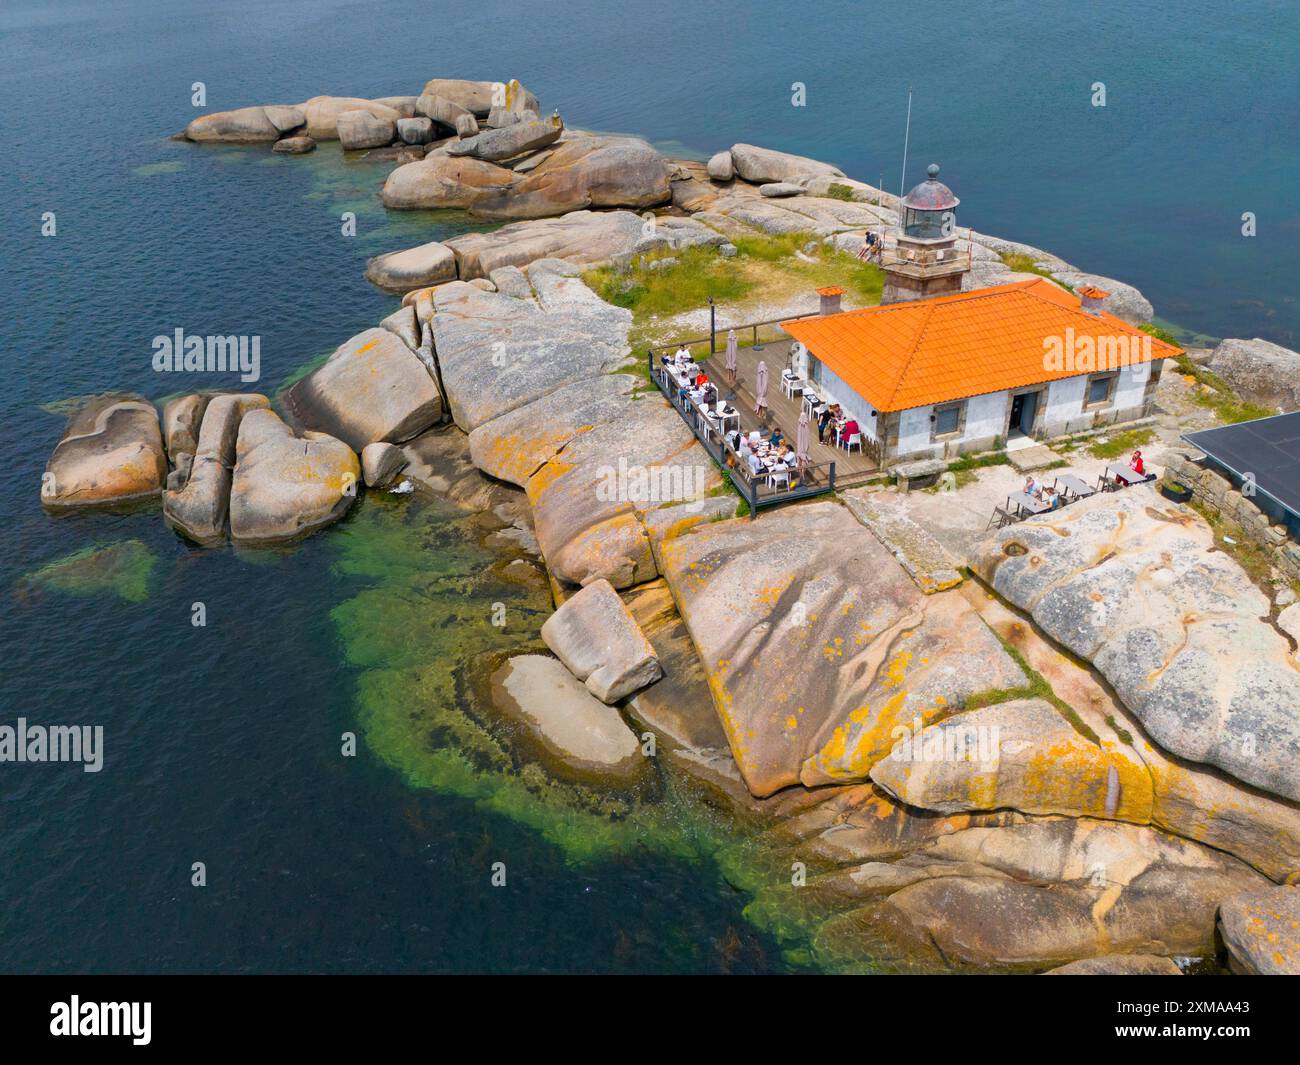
(927, 261)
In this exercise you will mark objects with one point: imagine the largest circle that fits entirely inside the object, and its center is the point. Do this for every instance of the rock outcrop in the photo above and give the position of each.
(1119, 965)
(441, 180)
(1261, 929)
(497, 145)
(286, 486)
(1037, 895)
(587, 238)
(380, 463)
(1259, 371)
(372, 388)
(401, 271)
(598, 639)
(363, 129)
(817, 646)
(111, 452)
(585, 170)
(199, 509)
(760, 166)
(1132, 583)
(323, 112)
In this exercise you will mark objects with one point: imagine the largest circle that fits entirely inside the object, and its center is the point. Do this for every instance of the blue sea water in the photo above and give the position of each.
(222, 743)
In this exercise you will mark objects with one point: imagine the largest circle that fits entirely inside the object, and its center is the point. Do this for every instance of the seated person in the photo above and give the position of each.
(1137, 465)
(755, 464)
(703, 378)
(778, 437)
(744, 451)
(1032, 488)
(848, 430)
(733, 438)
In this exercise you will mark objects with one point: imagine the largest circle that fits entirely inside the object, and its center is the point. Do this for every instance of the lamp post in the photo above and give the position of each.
(713, 328)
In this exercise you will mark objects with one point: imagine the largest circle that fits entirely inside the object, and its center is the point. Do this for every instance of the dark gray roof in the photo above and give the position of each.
(1267, 449)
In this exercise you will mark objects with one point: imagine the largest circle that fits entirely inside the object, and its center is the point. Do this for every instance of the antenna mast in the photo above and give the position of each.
(902, 181)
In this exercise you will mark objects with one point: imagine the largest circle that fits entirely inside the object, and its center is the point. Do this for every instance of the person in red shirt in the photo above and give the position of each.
(849, 429)
(1136, 464)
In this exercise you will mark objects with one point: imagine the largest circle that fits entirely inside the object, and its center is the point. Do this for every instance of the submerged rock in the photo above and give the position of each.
(286, 486)
(200, 508)
(124, 569)
(372, 388)
(587, 737)
(111, 452)
(597, 638)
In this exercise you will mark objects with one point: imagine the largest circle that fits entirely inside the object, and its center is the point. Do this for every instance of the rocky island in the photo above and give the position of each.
(1079, 754)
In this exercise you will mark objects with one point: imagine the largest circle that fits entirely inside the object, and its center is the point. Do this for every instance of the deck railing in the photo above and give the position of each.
(758, 491)
(752, 327)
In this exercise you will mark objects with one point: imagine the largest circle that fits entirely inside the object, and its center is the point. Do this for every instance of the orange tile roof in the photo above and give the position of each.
(913, 354)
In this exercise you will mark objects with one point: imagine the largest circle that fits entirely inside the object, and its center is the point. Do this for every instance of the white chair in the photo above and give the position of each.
(790, 385)
(779, 475)
(856, 438)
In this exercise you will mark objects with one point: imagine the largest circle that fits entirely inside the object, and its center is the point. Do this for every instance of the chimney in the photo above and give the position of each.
(1091, 299)
(830, 299)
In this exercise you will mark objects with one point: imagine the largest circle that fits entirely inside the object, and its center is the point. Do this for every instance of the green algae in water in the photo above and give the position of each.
(421, 616)
(123, 569)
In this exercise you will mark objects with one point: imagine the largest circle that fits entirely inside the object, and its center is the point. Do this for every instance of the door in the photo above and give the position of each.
(1017, 412)
(1028, 408)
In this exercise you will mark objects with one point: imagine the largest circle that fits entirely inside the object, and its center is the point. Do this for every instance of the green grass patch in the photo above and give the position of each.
(1163, 335)
(1119, 730)
(1214, 393)
(770, 266)
(1121, 443)
(836, 191)
(1024, 264)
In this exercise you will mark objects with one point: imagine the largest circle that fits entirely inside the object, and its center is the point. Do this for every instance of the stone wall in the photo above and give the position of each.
(1215, 491)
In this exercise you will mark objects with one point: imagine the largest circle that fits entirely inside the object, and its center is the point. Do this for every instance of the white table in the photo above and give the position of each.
(1027, 502)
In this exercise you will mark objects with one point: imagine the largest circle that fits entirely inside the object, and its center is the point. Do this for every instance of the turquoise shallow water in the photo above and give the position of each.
(222, 743)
